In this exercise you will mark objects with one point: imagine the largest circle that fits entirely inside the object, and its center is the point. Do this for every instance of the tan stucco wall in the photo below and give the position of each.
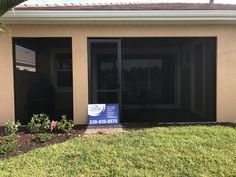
(226, 60)
(6, 81)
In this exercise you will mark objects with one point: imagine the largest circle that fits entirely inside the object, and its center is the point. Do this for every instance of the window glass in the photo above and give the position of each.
(64, 70)
(63, 61)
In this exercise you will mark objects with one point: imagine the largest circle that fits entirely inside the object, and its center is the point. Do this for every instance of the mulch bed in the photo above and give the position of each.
(26, 141)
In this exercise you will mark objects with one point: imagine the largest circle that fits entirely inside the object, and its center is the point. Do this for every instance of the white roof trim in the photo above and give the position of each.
(120, 17)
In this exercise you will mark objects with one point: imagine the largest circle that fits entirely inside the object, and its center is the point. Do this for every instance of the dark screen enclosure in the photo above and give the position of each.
(155, 79)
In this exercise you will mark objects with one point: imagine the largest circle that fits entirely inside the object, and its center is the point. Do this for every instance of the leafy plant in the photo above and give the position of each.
(4, 30)
(6, 5)
(10, 138)
(43, 137)
(39, 123)
(11, 127)
(8, 144)
(64, 125)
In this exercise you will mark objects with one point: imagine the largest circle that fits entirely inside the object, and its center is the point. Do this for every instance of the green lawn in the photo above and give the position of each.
(172, 151)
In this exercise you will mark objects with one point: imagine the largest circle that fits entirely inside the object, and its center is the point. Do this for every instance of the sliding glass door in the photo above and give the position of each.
(104, 71)
(149, 81)
(138, 78)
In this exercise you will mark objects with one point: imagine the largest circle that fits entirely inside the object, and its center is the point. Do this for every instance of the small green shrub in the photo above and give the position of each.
(64, 125)
(11, 127)
(10, 138)
(8, 144)
(39, 123)
(43, 137)
(7, 148)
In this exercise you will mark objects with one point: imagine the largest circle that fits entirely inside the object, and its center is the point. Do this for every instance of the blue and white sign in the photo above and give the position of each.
(103, 114)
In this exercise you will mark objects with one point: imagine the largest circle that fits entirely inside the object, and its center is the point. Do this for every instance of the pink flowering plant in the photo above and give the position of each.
(53, 125)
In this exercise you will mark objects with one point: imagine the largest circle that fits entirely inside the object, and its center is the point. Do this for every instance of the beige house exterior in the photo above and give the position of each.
(80, 25)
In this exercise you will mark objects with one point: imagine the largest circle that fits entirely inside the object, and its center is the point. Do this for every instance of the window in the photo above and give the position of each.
(25, 59)
(63, 70)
